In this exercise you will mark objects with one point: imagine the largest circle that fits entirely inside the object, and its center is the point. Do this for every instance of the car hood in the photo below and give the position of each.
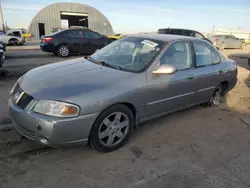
(65, 79)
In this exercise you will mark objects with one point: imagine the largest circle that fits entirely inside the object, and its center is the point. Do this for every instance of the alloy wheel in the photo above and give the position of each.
(64, 51)
(113, 129)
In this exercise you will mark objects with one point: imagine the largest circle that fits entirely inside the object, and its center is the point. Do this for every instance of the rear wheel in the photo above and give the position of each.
(63, 51)
(112, 128)
(215, 99)
(222, 46)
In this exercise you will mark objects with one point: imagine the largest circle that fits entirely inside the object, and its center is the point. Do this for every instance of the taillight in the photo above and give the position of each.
(47, 40)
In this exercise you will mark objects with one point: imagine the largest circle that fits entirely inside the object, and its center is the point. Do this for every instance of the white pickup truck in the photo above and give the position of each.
(12, 37)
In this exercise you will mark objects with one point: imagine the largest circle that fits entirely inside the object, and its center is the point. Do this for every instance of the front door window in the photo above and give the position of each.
(178, 55)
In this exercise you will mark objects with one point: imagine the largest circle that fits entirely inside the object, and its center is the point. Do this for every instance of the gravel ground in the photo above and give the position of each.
(198, 147)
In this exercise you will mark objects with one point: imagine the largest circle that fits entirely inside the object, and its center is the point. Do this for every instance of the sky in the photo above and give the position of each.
(129, 16)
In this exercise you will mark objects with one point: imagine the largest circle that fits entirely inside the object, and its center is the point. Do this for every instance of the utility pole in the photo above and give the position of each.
(213, 30)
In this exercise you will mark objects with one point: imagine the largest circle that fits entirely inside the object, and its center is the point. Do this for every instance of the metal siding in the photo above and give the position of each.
(51, 17)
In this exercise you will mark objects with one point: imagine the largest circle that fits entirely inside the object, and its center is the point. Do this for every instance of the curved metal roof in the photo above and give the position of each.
(51, 17)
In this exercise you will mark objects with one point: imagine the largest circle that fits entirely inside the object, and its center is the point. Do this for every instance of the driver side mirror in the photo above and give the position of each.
(165, 69)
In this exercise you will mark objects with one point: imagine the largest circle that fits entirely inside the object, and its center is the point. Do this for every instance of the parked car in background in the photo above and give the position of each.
(2, 46)
(115, 37)
(73, 41)
(227, 41)
(12, 38)
(101, 98)
(183, 32)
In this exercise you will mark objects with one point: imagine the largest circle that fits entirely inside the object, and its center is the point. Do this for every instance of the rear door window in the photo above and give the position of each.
(198, 36)
(205, 55)
(92, 35)
(74, 33)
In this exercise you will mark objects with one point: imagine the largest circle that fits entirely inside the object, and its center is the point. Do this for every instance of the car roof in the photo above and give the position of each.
(179, 29)
(164, 37)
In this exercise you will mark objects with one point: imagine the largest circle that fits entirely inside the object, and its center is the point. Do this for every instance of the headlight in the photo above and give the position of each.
(56, 109)
(17, 82)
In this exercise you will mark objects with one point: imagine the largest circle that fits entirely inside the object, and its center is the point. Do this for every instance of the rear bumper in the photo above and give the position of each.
(47, 47)
(232, 84)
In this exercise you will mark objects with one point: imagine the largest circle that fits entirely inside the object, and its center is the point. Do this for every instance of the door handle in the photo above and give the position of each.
(190, 77)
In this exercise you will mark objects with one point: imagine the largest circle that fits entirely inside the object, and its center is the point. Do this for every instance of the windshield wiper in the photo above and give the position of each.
(103, 63)
(92, 60)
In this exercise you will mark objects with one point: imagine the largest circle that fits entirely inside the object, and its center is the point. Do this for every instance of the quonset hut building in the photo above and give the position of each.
(65, 15)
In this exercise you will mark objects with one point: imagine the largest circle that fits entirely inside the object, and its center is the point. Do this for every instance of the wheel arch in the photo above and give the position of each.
(224, 85)
(127, 104)
(64, 43)
(12, 39)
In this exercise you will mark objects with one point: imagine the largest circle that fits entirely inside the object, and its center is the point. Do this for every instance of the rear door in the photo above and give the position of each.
(236, 42)
(208, 70)
(95, 41)
(74, 38)
(230, 41)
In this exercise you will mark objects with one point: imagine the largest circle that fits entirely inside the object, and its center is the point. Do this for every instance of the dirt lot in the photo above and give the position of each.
(198, 147)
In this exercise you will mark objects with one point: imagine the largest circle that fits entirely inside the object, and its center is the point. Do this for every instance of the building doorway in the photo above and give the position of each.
(41, 27)
(69, 19)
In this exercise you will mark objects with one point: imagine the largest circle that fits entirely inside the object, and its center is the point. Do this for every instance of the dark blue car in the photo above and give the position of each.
(73, 41)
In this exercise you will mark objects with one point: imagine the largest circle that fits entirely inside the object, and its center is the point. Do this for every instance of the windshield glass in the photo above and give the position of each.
(130, 53)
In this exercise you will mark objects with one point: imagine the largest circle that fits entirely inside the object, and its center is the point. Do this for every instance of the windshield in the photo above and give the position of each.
(130, 53)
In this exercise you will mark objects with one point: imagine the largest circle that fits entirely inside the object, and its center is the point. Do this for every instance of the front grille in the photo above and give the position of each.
(24, 100)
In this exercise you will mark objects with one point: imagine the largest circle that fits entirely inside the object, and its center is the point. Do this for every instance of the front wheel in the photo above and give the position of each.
(13, 42)
(112, 128)
(63, 51)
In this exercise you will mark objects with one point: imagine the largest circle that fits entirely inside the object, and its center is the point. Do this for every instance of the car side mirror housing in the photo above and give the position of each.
(165, 69)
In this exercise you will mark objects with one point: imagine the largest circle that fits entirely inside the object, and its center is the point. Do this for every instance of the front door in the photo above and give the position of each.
(167, 93)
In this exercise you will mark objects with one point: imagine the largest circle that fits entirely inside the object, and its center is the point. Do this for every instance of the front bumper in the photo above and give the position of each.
(50, 130)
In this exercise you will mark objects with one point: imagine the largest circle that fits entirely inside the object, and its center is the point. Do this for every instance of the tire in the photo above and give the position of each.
(215, 99)
(13, 42)
(110, 131)
(63, 51)
(222, 46)
(243, 45)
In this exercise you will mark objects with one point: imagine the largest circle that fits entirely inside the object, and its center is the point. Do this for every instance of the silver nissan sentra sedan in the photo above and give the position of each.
(102, 98)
